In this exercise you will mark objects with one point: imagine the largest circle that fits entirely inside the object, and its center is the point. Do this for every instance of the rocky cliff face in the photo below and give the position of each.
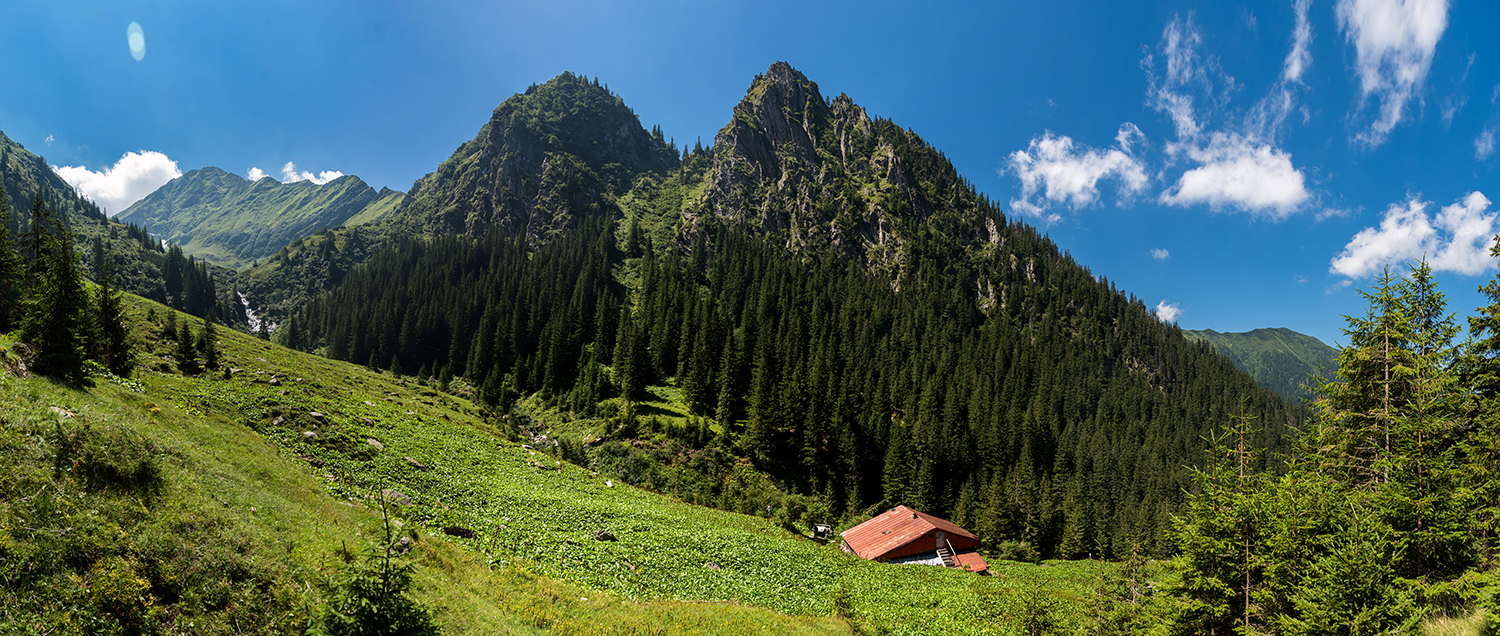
(817, 173)
(557, 151)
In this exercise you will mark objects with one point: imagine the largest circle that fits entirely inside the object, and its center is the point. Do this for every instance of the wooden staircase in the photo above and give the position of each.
(947, 555)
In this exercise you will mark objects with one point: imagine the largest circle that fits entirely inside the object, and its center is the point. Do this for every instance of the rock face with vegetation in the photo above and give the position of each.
(1281, 359)
(230, 220)
(811, 174)
(556, 152)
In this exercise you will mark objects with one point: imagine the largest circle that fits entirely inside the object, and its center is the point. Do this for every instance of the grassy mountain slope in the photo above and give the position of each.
(216, 504)
(230, 220)
(385, 205)
(25, 175)
(1280, 359)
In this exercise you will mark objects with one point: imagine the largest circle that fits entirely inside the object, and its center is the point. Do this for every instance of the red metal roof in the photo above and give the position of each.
(894, 528)
(971, 561)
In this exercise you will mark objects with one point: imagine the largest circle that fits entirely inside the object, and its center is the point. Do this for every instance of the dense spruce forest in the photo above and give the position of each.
(952, 359)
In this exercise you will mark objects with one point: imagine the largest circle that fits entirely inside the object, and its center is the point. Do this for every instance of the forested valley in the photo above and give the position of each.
(992, 380)
(815, 319)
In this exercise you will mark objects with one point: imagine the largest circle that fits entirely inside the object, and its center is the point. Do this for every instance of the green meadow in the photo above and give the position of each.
(228, 503)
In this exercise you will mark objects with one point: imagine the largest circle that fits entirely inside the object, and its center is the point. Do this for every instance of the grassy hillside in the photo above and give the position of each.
(1280, 359)
(386, 202)
(210, 504)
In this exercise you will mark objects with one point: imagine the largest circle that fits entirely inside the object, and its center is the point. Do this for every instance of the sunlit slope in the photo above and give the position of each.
(232, 221)
(241, 469)
(1280, 359)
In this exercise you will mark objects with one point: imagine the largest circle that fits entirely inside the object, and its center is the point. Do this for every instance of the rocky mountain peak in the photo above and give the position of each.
(819, 173)
(545, 154)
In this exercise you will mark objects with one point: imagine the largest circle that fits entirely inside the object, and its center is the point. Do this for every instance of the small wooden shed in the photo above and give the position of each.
(904, 535)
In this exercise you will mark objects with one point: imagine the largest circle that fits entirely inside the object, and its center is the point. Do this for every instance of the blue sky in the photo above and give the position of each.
(1240, 165)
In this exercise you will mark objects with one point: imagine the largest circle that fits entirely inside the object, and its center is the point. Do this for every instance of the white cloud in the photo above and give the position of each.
(1457, 240)
(1469, 231)
(1160, 254)
(1237, 167)
(1300, 57)
(49, 140)
(1168, 312)
(1242, 173)
(289, 174)
(1065, 173)
(1484, 142)
(1329, 213)
(1394, 41)
(133, 177)
(1184, 70)
(255, 174)
(1230, 165)
(1451, 105)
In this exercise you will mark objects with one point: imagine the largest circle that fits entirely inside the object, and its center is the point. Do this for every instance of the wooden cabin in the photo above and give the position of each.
(903, 535)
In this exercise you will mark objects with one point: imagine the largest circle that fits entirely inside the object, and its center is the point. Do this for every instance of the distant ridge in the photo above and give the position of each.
(227, 219)
(1280, 359)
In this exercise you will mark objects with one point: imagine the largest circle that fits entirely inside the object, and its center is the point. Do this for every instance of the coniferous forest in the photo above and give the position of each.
(850, 326)
(1064, 416)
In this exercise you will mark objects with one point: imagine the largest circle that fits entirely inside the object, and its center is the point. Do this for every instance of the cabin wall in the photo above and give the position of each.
(928, 543)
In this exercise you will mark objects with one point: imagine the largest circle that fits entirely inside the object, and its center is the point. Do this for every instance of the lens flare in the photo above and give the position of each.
(137, 39)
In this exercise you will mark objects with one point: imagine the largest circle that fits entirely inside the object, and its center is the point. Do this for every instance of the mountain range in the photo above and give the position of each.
(812, 319)
(818, 289)
(232, 221)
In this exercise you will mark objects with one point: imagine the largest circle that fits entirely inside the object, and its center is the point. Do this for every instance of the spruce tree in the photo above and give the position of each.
(111, 338)
(10, 269)
(187, 352)
(55, 304)
(208, 344)
(1480, 365)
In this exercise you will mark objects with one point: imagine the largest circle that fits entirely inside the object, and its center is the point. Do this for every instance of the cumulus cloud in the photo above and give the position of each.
(117, 187)
(1233, 167)
(255, 174)
(289, 174)
(1240, 172)
(1160, 254)
(1456, 240)
(1055, 170)
(1168, 312)
(1394, 41)
(1226, 165)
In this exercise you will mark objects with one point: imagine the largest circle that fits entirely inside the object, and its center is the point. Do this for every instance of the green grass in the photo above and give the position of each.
(240, 472)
